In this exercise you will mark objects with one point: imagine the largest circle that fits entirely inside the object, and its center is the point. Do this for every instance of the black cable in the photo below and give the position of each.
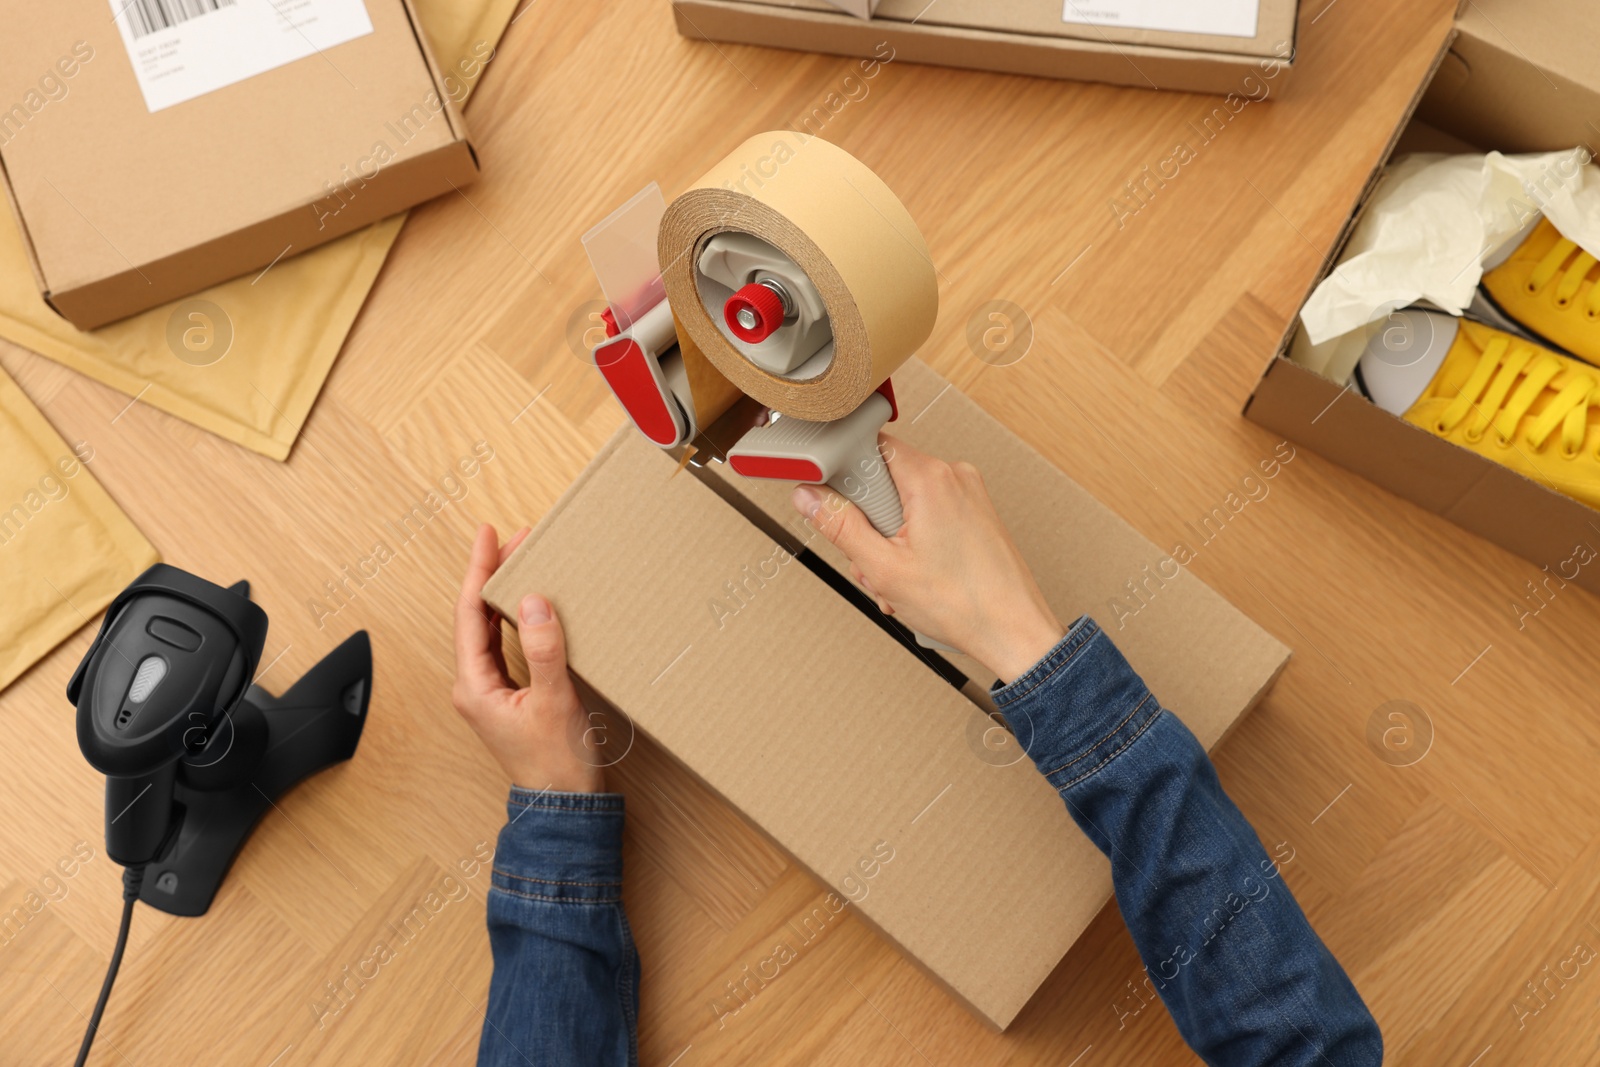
(132, 879)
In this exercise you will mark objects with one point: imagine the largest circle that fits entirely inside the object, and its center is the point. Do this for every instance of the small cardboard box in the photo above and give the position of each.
(1534, 91)
(1201, 48)
(686, 607)
(178, 145)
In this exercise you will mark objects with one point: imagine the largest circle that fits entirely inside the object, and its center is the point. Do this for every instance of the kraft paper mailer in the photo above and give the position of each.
(66, 549)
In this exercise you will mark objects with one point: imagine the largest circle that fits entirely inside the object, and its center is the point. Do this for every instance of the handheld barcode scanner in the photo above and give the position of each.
(193, 753)
(172, 658)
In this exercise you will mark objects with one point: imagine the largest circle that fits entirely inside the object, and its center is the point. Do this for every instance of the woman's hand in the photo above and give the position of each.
(952, 572)
(536, 732)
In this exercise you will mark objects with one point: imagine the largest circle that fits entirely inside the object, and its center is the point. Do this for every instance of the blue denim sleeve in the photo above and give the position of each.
(565, 990)
(1224, 943)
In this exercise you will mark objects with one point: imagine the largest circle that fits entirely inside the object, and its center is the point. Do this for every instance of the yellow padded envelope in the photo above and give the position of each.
(255, 350)
(66, 549)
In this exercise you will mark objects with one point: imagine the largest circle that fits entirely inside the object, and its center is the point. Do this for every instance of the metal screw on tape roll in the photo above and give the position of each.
(853, 243)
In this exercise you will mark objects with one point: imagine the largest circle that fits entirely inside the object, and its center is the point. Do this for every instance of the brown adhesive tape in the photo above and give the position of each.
(839, 223)
(713, 394)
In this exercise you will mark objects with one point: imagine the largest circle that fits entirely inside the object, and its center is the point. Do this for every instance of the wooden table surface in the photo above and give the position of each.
(1445, 886)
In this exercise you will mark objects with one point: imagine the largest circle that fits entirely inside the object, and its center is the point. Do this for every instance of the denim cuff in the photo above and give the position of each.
(561, 847)
(1079, 707)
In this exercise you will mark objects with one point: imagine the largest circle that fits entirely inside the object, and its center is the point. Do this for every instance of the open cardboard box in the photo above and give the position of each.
(124, 208)
(1537, 90)
(687, 608)
(1021, 37)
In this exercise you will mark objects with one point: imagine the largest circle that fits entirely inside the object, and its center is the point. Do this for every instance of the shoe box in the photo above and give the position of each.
(1223, 47)
(152, 149)
(1512, 75)
(702, 606)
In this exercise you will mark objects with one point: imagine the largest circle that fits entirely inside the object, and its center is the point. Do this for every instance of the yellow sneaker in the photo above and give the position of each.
(1548, 286)
(1515, 402)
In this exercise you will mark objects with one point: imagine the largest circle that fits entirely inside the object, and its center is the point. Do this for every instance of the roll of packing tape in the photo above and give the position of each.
(838, 222)
(713, 393)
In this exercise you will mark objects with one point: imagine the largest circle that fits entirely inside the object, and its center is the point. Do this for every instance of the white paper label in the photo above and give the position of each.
(1223, 18)
(181, 49)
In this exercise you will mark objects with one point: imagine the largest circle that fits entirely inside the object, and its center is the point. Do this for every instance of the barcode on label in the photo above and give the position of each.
(147, 16)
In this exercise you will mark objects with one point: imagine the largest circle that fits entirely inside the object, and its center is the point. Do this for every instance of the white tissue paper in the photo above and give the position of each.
(1430, 225)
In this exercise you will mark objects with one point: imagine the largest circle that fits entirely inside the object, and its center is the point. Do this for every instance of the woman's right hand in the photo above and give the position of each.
(952, 572)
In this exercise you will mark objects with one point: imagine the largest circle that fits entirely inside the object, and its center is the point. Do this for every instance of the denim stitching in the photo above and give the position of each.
(546, 881)
(557, 900)
(1120, 749)
(1067, 650)
(630, 1010)
(568, 796)
(1064, 654)
(606, 808)
(1086, 753)
(568, 811)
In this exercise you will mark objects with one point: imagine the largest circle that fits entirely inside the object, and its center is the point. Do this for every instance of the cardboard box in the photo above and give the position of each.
(137, 177)
(685, 608)
(1114, 41)
(1535, 91)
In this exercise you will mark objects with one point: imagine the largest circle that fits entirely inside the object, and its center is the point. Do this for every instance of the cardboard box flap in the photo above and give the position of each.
(812, 721)
(1519, 78)
(1557, 36)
